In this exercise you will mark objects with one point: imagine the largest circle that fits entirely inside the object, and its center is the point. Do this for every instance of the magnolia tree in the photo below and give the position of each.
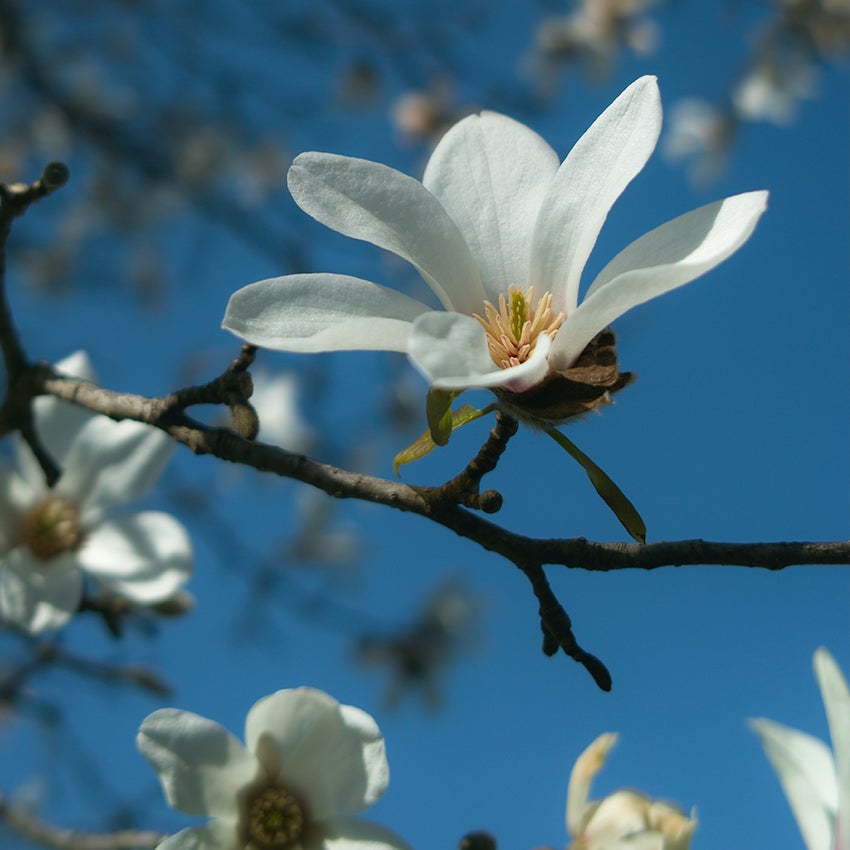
(510, 305)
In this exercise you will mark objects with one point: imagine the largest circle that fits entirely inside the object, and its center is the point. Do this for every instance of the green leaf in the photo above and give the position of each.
(612, 495)
(438, 410)
(425, 444)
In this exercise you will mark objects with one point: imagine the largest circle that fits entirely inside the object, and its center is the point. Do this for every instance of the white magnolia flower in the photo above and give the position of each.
(309, 765)
(51, 538)
(815, 780)
(501, 233)
(624, 820)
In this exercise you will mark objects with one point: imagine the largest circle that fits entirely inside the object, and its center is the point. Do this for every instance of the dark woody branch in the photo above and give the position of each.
(15, 413)
(445, 505)
(37, 830)
(168, 413)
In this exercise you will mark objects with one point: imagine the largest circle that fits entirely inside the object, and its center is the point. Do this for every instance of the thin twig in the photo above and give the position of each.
(558, 629)
(16, 413)
(37, 830)
(464, 488)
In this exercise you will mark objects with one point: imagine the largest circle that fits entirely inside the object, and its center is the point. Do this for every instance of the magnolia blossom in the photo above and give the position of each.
(624, 820)
(52, 538)
(501, 232)
(307, 767)
(815, 780)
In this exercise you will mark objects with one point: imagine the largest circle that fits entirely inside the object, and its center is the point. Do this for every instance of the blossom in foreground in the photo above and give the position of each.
(52, 538)
(624, 820)
(308, 766)
(501, 232)
(815, 780)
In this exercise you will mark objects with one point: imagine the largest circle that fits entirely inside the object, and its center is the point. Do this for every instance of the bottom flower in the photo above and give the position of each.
(307, 767)
(624, 820)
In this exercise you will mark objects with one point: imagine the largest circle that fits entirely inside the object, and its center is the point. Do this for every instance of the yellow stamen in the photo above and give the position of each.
(513, 329)
(51, 528)
(274, 819)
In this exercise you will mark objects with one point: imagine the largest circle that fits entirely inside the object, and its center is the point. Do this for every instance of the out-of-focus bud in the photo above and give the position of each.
(478, 840)
(178, 604)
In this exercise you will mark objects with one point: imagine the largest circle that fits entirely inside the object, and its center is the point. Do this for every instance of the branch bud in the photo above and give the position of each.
(54, 176)
(246, 423)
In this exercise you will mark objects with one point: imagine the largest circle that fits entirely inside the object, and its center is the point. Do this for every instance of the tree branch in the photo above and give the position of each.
(44, 833)
(527, 553)
(168, 414)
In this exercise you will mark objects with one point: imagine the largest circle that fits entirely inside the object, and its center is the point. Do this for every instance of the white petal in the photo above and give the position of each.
(215, 835)
(331, 754)
(353, 834)
(600, 166)
(366, 200)
(450, 351)
(111, 463)
(28, 469)
(663, 259)
(39, 596)
(201, 766)
(587, 765)
(836, 700)
(807, 775)
(491, 174)
(321, 312)
(619, 815)
(56, 423)
(145, 557)
(17, 495)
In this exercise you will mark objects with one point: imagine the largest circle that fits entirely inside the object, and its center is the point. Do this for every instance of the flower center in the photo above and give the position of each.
(52, 527)
(274, 819)
(512, 329)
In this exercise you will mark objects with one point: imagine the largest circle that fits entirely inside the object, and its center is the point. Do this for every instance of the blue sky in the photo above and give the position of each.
(736, 430)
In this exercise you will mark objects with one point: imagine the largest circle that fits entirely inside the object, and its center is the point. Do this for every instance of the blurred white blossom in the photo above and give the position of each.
(594, 32)
(624, 820)
(700, 133)
(423, 116)
(52, 538)
(771, 90)
(308, 766)
(815, 780)
(275, 399)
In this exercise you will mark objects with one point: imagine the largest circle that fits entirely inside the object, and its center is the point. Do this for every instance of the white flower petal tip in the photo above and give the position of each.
(54, 537)
(500, 232)
(624, 818)
(670, 256)
(311, 313)
(816, 781)
(309, 765)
